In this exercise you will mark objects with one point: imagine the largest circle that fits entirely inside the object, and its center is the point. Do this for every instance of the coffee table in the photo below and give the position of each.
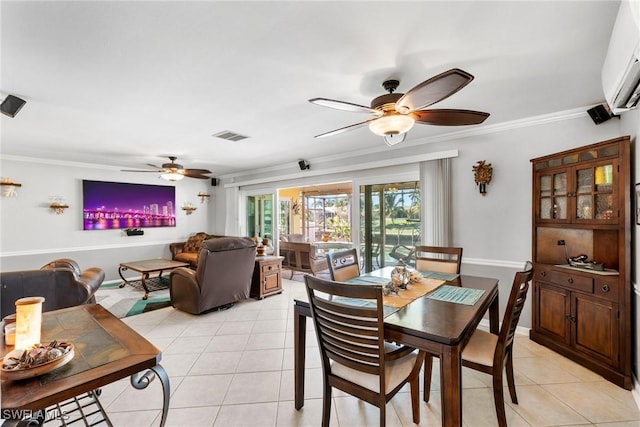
(145, 268)
(106, 350)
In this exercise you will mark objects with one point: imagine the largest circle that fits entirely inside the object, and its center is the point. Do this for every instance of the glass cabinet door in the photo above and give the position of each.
(553, 196)
(595, 198)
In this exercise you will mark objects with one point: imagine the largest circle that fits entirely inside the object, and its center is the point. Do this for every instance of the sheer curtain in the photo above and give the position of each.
(232, 204)
(435, 208)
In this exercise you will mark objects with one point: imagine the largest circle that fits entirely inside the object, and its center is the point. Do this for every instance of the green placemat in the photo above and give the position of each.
(457, 295)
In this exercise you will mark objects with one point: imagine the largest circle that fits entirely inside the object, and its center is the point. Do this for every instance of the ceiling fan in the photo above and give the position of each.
(396, 113)
(174, 171)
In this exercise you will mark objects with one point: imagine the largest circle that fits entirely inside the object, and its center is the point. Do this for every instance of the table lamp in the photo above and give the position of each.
(28, 322)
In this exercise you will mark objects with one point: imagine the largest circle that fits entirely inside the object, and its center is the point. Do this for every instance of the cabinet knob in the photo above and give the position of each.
(543, 274)
(570, 280)
(606, 288)
(570, 318)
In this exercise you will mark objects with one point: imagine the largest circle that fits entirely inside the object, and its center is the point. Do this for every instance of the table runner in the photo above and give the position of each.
(404, 296)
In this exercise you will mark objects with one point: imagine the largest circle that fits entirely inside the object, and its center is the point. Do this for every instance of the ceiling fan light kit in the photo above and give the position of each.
(172, 176)
(396, 113)
(392, 124)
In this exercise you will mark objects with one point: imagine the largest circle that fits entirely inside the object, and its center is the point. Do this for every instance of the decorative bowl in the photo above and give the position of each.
(41, 369)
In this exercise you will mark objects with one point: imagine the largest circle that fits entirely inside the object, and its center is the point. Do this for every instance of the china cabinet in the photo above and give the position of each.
(581, 304)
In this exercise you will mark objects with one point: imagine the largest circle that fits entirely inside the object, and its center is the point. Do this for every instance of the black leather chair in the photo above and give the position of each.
(60, 282)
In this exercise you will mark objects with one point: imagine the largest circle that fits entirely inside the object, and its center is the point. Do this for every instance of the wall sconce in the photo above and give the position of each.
(28, 322)
(58, 205)
(188, 208)
(482, 175)
(204, 196)
(9, 187)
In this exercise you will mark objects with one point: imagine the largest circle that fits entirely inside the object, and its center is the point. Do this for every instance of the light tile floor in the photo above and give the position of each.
(235, 368)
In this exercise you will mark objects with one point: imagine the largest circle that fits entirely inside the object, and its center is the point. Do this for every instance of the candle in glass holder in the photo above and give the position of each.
(28, 322)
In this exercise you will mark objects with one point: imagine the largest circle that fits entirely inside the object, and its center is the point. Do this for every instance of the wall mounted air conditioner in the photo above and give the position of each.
(621, 69)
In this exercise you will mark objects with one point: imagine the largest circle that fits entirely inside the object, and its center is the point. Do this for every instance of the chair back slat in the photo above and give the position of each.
(348, 334)
(515, 305)
(337, 325)
(442, 259)
(343, 265)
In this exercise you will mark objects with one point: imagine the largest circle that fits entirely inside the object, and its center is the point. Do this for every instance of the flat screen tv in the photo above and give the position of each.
(113, 205)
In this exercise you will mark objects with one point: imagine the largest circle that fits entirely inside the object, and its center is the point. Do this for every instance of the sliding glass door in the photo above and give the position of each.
(389, 223)
(260, 216)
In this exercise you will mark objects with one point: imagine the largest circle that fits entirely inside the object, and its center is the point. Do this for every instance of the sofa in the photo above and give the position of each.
(60, 282)
(302, 257)
(188, 251)
(222, 276)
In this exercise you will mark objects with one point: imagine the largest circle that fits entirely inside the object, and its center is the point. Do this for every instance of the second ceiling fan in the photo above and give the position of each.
(396, 113)
(174, 171)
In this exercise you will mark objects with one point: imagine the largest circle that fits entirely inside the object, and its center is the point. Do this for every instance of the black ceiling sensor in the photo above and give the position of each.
(303, 165)
(599, 114)
(11, 105)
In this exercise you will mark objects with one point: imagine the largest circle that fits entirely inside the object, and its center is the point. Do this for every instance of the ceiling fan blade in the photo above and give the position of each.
(445, 117)
(196, 171)
(139, 170)
(433, 90)
(199, 176)
(154, 166)
(344, 129)
(342, 105)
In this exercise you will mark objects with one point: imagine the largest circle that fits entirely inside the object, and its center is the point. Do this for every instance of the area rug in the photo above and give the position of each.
(127, 301)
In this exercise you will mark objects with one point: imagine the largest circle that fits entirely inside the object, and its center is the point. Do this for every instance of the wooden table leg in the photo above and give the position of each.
(451, 386)
(299, 342)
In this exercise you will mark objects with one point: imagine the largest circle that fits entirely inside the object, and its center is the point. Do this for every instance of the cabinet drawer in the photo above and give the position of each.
(273, 267)
(607, 288)
(567, 280)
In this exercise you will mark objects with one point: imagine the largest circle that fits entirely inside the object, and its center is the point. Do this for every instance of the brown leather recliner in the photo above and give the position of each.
(60, 282)
(223, 276)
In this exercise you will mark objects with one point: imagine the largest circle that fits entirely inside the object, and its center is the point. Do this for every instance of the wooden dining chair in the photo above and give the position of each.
(492, 354)
(442, 259)
(355, 357)
(343, 265)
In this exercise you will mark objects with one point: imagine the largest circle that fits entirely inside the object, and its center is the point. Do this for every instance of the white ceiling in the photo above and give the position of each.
(125, 83)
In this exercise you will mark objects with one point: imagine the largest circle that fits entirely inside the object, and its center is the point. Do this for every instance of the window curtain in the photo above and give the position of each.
(435, 206)
(232, 220)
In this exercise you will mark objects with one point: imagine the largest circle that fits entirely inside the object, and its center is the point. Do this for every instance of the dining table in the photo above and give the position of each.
(440, 322)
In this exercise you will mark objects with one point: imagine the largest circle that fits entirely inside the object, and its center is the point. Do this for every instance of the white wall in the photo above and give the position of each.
(32, 235)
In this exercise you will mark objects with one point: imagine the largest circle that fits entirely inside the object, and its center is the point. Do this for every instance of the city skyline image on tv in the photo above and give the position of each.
(116, 205)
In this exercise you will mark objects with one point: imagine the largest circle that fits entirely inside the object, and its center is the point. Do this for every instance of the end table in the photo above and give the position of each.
(267, 276)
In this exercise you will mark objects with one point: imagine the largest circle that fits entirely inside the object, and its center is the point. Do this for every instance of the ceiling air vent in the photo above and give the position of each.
(230, 136)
